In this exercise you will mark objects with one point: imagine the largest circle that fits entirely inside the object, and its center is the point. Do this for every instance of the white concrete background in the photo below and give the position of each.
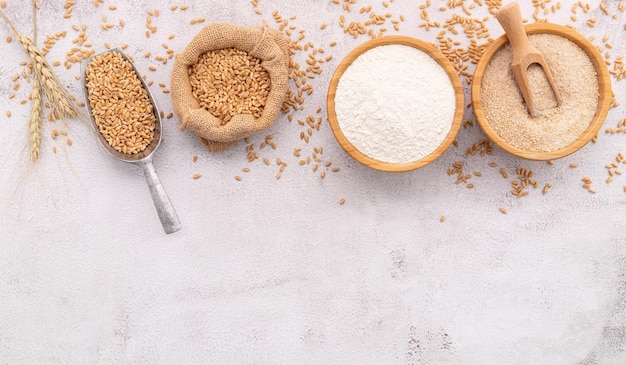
(270, 271)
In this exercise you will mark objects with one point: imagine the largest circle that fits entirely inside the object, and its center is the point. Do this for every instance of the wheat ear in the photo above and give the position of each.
(61, 104)
(34, 122)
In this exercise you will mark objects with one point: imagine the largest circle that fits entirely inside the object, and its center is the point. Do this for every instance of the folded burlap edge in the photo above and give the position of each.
(261, 42)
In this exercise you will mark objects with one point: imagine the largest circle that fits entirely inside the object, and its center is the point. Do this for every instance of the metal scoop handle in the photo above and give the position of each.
(165, 209)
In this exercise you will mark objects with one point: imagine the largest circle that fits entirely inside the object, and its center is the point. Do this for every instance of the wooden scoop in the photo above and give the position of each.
(524, 54)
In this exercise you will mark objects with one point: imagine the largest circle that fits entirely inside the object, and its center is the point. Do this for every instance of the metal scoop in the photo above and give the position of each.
(164, 207)
(524, 54)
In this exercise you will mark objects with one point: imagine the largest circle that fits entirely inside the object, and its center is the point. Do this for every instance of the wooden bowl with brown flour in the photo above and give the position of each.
(557, 130)
(395, 103)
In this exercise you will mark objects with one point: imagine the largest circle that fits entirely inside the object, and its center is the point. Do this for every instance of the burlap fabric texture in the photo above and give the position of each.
(261, 42)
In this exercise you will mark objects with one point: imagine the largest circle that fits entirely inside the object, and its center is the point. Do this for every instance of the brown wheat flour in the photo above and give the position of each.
(555, 127)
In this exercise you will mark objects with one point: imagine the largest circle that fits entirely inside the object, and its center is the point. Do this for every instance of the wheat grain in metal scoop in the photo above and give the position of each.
(127, 121)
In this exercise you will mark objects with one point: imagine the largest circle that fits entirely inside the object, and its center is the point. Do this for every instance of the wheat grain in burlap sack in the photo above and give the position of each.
(267, 45)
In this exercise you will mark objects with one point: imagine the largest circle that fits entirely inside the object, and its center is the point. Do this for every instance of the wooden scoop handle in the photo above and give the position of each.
(510, 17)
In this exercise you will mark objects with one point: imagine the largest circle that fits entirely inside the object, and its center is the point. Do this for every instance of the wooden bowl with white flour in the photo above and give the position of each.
(558, 130)
(395, 103)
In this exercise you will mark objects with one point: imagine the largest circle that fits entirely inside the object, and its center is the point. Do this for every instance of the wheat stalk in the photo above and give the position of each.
(45, 83)
(60, 101)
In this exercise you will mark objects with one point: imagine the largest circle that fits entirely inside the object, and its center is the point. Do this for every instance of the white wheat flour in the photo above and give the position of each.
(395, 104)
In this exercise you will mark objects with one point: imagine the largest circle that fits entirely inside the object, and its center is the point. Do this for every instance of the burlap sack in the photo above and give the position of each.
(265, 44)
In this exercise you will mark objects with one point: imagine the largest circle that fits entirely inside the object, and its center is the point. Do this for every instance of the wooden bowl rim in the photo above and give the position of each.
(436, 55)
(604, 99)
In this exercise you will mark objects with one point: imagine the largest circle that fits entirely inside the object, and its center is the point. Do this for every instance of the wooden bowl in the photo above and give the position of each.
(604, 101)
(455, 124)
